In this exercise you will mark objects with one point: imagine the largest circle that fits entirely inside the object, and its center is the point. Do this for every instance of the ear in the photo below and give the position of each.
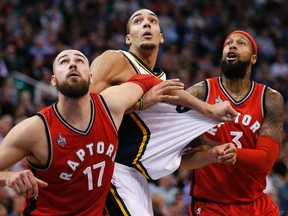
(128, 39)
(91, 78)
(53, 80)
(161, 38)
(253, 59)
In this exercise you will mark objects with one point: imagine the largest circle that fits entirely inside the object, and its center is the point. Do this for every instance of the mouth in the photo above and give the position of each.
(232, 56)
(73, 74)
(147, 34)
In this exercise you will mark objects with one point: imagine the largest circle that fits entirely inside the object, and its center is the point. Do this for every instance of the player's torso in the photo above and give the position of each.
(80, 162)
(151, 140)
(243, 133)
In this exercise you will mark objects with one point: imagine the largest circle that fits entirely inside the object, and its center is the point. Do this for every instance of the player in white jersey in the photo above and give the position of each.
(148, 141)
(151, 141)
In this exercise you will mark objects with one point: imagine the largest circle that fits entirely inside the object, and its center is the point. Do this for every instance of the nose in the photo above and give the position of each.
(72, 66)
(232, 46)
(146, 24)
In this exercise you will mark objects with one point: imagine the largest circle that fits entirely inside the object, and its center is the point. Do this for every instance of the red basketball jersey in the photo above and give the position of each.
(80, 163)
(224, 183)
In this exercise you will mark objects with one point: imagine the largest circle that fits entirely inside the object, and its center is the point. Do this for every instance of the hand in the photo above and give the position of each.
(161, 92)
(25, 182)
(224, 154)
(223, 111)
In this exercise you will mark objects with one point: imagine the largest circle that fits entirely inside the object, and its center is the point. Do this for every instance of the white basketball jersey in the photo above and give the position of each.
(152, 140)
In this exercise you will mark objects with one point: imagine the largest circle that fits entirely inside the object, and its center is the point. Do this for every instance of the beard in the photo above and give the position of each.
(73, 88)
(148, 46)
(234, 71)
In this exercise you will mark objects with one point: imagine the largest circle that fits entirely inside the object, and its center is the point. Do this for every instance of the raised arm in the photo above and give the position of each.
(120, 98)
(108, 69)
(193, 98)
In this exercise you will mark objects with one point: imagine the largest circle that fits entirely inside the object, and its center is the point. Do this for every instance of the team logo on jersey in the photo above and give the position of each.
(181, 109)
(218, 99)
(61, 141)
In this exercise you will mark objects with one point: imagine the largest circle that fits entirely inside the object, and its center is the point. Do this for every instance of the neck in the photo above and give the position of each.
(76, 112)
(237, 88)
(148, 57)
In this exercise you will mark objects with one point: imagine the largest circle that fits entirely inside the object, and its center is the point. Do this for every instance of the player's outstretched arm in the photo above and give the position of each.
(158, 93)
(122, 97)
(224, 154)
(193, 98)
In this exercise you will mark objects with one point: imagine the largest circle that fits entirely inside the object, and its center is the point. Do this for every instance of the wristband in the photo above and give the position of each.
(141, 103)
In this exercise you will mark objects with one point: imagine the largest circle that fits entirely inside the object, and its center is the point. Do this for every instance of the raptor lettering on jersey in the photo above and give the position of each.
(89, 150)
(246, 120)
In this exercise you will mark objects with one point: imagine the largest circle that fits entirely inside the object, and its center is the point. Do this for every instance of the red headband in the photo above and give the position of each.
(254, 45)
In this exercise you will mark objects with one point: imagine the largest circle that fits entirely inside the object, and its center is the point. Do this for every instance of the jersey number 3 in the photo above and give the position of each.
(236, 136)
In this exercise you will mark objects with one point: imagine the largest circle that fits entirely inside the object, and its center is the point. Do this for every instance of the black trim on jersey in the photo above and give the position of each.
(133, 136)
(158, 72)
(207, 90)
(49, 142)
(108, 111)
(135, 68)
(115, 206)
(30, 207)
(136, 161)
(231, 98)
(193, 173)
(263, 101)
(55, 109)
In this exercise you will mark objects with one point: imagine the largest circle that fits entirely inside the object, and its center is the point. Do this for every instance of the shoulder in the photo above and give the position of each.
(198, 90)
(30, 125)
(274, 115)
(274, 100)
(110, 56)
(27, 133)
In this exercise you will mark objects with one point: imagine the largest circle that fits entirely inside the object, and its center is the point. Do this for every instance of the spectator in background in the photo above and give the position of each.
(201, 27)
(6, 124)
(283, 196)
(279, 68)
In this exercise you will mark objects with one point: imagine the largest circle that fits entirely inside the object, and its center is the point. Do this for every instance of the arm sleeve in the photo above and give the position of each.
(261, 159)
(145, 81)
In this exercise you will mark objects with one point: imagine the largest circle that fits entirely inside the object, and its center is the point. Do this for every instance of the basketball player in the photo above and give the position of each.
(257, 132)
(151, 140)
(71, 145)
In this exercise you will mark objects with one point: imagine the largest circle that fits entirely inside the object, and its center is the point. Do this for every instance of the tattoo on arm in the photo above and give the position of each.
(274, 118)
(198, 90)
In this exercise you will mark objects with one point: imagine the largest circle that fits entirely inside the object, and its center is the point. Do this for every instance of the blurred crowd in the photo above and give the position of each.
(32, 32)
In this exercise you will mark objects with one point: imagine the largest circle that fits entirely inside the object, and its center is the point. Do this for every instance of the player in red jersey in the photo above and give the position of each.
(71, 145)
(257, 132)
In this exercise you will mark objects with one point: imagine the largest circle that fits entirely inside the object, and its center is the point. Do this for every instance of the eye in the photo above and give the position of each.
(137, 21)
(154, 21)
(242, 43)
(64, 61)
(228, 43)
(79, 61)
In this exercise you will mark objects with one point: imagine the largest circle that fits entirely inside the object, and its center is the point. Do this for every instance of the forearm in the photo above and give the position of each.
(138, 106)
(261, 159)
(197, 160)
(189, 101)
